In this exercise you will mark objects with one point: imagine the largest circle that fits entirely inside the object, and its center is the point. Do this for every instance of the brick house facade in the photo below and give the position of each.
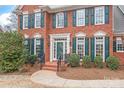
(84, 29)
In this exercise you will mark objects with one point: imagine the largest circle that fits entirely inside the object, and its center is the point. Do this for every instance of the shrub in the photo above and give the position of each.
(74, 60)
(87, 61)
(12, 51)
(112, 62)
(98, 61)
(32, 59)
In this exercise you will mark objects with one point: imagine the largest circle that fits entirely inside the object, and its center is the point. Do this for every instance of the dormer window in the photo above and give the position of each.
(60, 20)
(25, 21)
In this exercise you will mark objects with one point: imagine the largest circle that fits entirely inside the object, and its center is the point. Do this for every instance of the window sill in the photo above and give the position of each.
(25, 28)
(99, 23)
(120, 51)
(59, 27)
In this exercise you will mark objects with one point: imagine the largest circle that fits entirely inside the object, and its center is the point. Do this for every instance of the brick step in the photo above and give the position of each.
(49, 65)
(49, 68)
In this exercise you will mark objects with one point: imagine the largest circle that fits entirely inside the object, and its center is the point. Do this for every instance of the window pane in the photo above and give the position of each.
(120, 45)
(25, 18)
(99, 15)
(60, 19)
(80, 47)
(99, 46)
(37, 19)
(80, 17)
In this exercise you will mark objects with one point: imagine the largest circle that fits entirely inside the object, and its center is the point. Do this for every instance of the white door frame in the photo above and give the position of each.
(55, 36)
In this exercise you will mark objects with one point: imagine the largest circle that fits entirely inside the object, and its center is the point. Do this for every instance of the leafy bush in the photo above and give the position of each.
(74, 60)
(32, 59)
(98, 61)
(87, 61)
(112, 62)
(12, 51)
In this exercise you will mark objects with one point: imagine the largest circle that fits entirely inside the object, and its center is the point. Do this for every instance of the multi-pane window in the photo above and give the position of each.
(37, 20)
(25, 21)
(80, 47)
(26, 44)
(60, 20)
(99, 46)
(120, 45)
(99, 15)
(80, 17)
(38, 47)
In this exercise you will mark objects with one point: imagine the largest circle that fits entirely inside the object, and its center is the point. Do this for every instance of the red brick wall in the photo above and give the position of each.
(89, 30)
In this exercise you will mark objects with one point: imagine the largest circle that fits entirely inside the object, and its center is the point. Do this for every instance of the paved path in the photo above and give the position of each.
(18, 81)
(49, 78)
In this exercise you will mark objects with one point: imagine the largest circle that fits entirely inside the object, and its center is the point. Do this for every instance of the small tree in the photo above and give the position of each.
(12, 51)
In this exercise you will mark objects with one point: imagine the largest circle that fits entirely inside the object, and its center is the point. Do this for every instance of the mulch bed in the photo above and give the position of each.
(81, 73)
(29, 70)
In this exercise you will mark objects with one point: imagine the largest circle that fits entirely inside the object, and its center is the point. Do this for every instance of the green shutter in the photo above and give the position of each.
(114, 46)
(86, 46)
(87, 16)
(92, 48)
(65, 19)
(21, 22)
(54, 20)
(28, 45)
(106, 14)
(32, 46)
(92, 18)
(42, 47)
(32, 20)
(29, 21)
(42, 20)
(74, 45)
(106, 47)
(74, 18)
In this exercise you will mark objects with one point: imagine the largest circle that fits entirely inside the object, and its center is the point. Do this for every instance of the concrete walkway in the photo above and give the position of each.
(49, 78)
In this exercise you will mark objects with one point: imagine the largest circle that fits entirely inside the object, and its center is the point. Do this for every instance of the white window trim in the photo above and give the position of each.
(77, 45)
(57, 21)
(118, 38)
(77, 17)
(35, 19)
(23, 21)
(103, 15)
(103, 47)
